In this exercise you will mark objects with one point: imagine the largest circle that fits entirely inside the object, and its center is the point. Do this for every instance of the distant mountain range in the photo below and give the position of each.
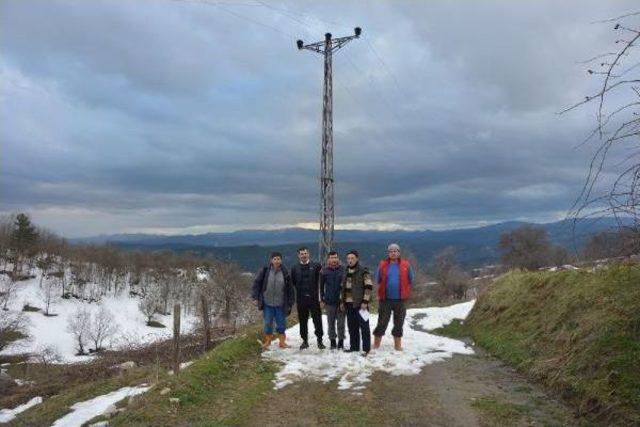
(250, 248)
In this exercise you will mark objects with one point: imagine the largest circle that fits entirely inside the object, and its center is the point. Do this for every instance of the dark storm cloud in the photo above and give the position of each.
(192, 115)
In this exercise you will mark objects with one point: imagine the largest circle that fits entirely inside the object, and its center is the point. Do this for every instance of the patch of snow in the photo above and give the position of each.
(202, 274)
(437, 317)
(20, 382)
(7, 415)
(183, 365)
(352, 370)
(51, 332)
(84, 411)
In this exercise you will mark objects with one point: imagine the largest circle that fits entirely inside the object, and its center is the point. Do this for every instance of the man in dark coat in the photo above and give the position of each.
(305, 277)
(330, 286)
(273, 293)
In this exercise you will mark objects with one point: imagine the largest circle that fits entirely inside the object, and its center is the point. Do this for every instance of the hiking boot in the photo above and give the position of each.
(333, 344)
(320, 344)
(397, 343)
(304, 345)
(266, 341)
(340, 344)
(283, 341)
(376, 342)
(352, 350)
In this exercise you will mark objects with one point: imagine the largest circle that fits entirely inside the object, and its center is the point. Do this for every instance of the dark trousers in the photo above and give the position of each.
(304, 310)
(357, 327)
(385, 308)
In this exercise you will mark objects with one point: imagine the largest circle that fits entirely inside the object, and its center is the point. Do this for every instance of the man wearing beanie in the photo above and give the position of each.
(395, 279)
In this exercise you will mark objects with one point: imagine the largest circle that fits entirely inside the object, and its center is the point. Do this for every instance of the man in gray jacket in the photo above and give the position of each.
(273, 293)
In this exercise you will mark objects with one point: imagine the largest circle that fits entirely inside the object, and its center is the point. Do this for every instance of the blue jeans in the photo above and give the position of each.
(270, 313)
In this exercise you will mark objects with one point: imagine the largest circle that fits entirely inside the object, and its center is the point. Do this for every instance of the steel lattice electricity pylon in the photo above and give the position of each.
(327, 212)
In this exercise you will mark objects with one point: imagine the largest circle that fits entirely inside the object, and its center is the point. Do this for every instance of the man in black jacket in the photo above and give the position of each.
(305, 277)
(273, 293)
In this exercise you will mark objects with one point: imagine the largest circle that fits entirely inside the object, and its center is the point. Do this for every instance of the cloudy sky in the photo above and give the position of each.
(179, 116)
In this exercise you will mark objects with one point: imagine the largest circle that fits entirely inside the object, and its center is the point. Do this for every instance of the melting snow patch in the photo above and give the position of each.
(84, 411)
(353, 371)
(437, 317)
(7, 415)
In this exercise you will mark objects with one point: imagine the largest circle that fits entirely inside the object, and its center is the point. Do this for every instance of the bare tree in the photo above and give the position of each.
(451, 279)
(6, 225)
(230, 290)
(103, 327)
(12, 324)
(46, 355)
(49, 294)
(79, 324)
(617, 132)
(205, 297)
(148, 304)
(530, 248)
(7, 291)
(611, 244)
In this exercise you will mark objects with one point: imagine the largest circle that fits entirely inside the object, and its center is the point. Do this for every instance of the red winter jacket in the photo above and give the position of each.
(405, 287)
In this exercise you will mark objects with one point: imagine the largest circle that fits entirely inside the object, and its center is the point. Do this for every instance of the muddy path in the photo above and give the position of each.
(465, 390)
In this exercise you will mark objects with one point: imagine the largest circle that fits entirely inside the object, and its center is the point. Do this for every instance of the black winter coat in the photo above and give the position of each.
(260, 285)
(310, 294)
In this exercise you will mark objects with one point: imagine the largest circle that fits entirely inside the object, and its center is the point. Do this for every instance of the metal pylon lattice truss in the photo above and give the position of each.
(327, 207)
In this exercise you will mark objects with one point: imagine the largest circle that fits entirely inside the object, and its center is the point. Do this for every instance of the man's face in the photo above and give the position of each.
(276, 261)
(352, 260)
(333, 260)
(303, 256)
(394, 254)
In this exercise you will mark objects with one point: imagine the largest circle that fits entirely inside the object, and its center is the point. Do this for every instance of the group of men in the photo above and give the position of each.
(343, 292)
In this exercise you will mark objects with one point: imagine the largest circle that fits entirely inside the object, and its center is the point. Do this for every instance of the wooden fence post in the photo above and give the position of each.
(176, 339)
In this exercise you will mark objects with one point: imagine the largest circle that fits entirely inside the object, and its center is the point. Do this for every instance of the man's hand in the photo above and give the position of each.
(322, 305)
(255, 302)
(342, 307)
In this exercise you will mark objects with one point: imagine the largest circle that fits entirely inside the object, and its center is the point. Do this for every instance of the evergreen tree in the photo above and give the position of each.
(23, 240)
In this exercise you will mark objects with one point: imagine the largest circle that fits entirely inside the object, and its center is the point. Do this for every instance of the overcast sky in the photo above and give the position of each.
(176, 116)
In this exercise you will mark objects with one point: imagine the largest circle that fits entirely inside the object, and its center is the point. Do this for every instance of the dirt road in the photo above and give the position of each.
(466, 390)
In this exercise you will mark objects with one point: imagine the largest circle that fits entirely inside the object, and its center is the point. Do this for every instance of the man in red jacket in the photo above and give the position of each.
(395, 279)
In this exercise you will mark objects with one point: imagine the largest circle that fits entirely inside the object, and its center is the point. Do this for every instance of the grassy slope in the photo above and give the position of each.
(232, 385)
(57, 406)
(220, 387)
(575, 331)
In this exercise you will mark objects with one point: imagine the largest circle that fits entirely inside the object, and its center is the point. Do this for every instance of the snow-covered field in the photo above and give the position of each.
(352, 370)
(45, 331)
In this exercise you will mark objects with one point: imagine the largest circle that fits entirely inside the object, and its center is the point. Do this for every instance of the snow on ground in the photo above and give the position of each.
(84, 411)
(47, 331)
(7, 415)
(437, 317)
(352, 370)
